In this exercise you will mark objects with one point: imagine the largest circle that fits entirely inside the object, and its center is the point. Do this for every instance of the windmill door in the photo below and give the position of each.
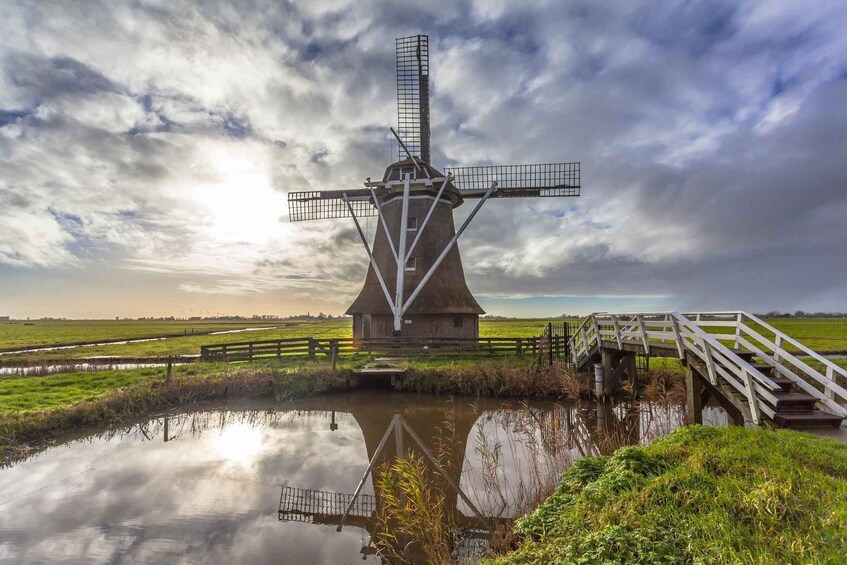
(366, 325)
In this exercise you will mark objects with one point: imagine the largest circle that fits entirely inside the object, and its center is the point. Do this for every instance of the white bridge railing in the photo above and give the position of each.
(701, 334)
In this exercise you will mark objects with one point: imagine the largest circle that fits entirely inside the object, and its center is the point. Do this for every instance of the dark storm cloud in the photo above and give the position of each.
(710, 135)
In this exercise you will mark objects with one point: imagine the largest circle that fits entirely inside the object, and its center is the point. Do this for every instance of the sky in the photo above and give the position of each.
(147, 147)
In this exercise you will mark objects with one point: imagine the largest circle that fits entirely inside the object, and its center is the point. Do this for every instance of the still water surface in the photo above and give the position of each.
(254, 482)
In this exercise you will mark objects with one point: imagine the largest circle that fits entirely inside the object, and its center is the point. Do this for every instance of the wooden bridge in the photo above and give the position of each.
(734, 357)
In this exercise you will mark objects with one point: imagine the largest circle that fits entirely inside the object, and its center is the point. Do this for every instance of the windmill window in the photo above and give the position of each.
(412, 224)
(411, 263)
(457, 322)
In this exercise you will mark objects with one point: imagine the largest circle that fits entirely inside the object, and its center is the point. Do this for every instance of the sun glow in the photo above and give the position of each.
(237, 200)
(239, 444)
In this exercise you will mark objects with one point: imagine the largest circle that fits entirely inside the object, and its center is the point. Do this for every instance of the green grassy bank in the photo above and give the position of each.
(700, 495)
(35, 409)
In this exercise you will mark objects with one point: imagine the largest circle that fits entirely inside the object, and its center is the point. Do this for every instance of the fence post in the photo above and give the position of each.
(204, 353)
(550, 342)
(250, 352)
(170, 368)
(278, 349)
(311, 348)
(224, 352)
(519, 347)
(333, 349)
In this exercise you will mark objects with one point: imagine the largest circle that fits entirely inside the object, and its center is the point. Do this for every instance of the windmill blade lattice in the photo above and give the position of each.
(327, 204)
(413, 95)
(545, 180)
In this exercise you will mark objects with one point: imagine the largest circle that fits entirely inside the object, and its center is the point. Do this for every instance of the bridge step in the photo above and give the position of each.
(744, 354)
(806, 419)
(763, 368)
(785, 384)
(794, 401)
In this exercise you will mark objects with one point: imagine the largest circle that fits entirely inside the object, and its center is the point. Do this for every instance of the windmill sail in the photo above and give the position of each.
(326, 204)
(545, 180)
(413, 95)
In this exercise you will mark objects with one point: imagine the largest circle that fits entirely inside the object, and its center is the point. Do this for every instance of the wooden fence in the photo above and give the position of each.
(408, 346)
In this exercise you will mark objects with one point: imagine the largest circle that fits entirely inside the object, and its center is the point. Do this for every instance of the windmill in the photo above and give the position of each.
(415, 284)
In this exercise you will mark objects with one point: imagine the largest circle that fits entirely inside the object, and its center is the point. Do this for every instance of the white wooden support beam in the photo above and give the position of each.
(643, 334)
(370, 255)
(752, 398)
(584, 335)
(680, 347)
(429, 213)
(596, 330)
(738, 323)
(383, 224)
(447, 249)
(617, 331)
(710, 362)
(401, 259)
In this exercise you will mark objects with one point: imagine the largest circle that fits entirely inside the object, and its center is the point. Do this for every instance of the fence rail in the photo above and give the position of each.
(547, 345)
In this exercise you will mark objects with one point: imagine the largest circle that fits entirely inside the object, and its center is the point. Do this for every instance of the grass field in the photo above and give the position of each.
(190, 345)
(824, 335)
(26, 394)
(24, 333)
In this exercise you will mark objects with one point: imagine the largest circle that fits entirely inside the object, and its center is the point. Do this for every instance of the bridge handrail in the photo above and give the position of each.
(688, 331)
(773, 353)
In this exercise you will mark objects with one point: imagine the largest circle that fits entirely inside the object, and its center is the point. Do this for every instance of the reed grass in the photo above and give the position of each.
(502, 379)
(414, 525)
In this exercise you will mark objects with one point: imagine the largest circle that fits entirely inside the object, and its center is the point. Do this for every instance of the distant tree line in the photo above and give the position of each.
(802, 314)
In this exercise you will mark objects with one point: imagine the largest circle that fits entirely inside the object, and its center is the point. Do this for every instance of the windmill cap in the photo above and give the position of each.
(396, 170)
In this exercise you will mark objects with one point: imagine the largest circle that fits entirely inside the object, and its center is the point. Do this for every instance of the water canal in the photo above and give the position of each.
(258, 482)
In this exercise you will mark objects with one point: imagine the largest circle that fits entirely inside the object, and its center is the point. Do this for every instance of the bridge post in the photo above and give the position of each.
(693, 396)
(606, 360)
(629, 366)
(698, 390)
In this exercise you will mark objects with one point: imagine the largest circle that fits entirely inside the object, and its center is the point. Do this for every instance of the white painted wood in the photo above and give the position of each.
(383, 224)
(644, 335)
(710, 362)
(370, 255)
(722, 363)
(800, 364)
(737, 330)
(617, 326)
(798, 345)
(435, 202)
(401, 257)
(752, 398)
(447, 249)
(830, 375)
(677, 337)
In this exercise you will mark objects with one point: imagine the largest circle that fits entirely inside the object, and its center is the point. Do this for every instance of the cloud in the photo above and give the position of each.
(164, 138)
